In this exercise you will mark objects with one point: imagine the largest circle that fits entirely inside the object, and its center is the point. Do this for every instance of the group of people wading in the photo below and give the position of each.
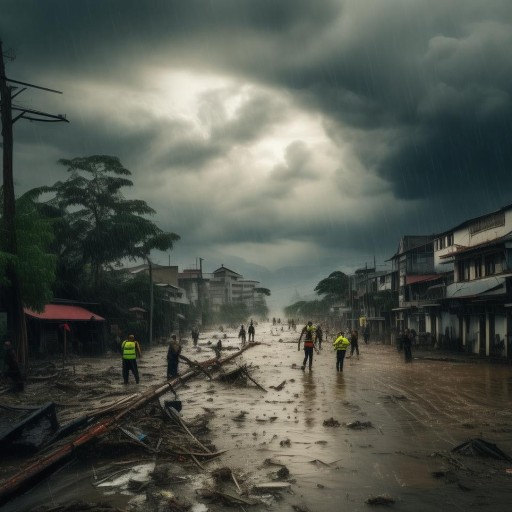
(130, 349)
(313, 337)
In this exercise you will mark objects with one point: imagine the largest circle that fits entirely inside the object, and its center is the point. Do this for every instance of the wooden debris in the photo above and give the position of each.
(46, 464)
(272, 486)
(331, 422)
(383, 499)
(279, 387)
(359, 425)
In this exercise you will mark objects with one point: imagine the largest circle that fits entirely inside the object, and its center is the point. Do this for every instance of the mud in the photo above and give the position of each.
(381, 428)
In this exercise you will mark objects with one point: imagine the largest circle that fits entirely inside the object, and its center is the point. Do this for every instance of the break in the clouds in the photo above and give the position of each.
(278, 132)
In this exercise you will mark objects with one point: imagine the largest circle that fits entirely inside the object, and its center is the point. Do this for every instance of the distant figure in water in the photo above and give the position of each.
(354, 343)
(251, 332)
(366, 335)
(319, 336)
(195, 335)
(407, 343)
(241, 334)
(218, 349)
(173, 357)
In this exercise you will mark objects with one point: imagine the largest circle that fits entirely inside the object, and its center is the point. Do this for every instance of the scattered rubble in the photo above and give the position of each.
(331, 422)
(382, 499)
(359, 425)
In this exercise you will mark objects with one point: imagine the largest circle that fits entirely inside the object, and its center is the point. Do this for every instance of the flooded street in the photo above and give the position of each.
(380, 428)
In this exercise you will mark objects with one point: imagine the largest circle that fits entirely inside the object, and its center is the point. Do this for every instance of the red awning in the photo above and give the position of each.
(61, 312)
(423, 278)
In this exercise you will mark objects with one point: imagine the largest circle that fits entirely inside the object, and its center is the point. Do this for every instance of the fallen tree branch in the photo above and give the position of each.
(43, 466)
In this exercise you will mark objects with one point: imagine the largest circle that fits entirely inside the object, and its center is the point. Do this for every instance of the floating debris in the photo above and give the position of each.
(382, 499)
(480, 447)
(359, 425)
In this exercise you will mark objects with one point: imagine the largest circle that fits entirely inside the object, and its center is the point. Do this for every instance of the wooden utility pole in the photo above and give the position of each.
(16, 326)
(12, 299)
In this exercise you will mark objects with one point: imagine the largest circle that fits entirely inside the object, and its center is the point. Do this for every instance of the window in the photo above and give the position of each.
(490, 265)
(464, 268)
(488, 222)
(449, 240)
(478, 267)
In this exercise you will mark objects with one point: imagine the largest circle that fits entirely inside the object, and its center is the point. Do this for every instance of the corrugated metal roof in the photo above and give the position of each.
(64, 312)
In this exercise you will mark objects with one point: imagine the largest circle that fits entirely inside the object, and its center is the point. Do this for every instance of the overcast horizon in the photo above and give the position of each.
(275, 136)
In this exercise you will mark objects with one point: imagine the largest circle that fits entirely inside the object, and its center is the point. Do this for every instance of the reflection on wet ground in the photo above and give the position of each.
(394, 419)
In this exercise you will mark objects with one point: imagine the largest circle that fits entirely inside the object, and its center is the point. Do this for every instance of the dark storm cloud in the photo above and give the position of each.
(414, 96)
(435, 75)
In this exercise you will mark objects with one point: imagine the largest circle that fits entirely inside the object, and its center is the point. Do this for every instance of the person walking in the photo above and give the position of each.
(366, 334)
(354, 343)
(251, 331)
(407, 343)
(131, 350)
(195, 335)
(319, 336)
(241, 334)
(308, 331)
(173, 357)
(340, 344)
(12, 368)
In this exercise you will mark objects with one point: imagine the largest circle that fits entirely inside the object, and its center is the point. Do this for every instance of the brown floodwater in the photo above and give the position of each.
(411, 416)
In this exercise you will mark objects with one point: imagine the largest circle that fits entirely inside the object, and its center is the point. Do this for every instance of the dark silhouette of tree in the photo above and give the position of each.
(334, 288)
(101, 227)
(34, 262)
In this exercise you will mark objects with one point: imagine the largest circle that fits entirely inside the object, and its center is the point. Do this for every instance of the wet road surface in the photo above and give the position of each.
(410, 417)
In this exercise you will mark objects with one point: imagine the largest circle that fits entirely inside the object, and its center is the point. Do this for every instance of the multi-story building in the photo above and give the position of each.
(227, 286)
(477, 298)
(413, 274)
(456, 286)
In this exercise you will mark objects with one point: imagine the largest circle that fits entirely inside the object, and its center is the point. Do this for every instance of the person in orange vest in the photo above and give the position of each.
(131, 350)
(308, 331)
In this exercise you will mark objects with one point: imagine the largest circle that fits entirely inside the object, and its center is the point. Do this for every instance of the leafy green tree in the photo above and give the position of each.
(34, 263)
(105, 226)
(308, 309)
(263, 291)
(334, 288)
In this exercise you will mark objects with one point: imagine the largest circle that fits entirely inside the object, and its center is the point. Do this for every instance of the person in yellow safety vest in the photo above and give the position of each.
(340, 344)
(131, 350)
(308, 331)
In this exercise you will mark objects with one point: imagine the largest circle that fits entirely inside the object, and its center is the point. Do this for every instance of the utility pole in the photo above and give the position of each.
(16, 325)
(200, 291)
(151, 303)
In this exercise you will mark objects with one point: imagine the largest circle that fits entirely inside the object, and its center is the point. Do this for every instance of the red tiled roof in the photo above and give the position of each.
(64, 312)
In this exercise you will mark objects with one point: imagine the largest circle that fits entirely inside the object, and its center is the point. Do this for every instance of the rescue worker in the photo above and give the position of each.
(308, 331)
(340, 344)
(131, 350)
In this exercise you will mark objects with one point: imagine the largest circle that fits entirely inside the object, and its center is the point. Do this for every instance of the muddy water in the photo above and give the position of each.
(415, 410)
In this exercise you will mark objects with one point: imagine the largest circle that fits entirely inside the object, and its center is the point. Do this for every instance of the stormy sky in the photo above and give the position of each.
(276, 137)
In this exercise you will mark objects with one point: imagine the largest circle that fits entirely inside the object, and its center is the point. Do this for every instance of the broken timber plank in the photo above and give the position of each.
(30, 475)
